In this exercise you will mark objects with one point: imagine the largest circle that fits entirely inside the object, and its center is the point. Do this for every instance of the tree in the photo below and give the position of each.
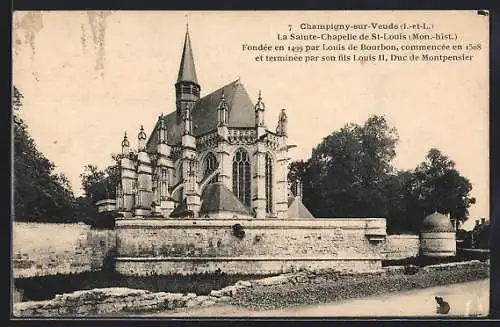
(348, 170)
(99, 184)
(350, 175)
(39, 193)
(297, 171)
(437, 186)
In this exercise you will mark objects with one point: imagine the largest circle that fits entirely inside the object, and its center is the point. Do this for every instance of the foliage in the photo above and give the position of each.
(39, 193)
(350, 175)
(435, 185)
(481, 236)
(347, 170)
(100, 184)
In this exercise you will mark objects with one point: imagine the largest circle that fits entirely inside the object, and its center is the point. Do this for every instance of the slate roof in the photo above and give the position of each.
(296, 209)
(217, 197)
(204, 114)
(187, 72)
(180, 211)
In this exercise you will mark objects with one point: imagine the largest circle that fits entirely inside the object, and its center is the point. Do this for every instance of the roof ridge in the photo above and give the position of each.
(222, 87)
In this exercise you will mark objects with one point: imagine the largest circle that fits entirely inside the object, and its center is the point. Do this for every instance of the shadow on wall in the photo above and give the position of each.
(77, 248)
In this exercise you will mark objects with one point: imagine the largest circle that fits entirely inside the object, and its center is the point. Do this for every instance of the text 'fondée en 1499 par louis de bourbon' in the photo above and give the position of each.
(368, 42)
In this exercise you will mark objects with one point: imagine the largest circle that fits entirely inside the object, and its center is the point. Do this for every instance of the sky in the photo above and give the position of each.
(87, 77)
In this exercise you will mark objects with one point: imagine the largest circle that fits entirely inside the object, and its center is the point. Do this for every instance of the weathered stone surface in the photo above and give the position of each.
(79, 248)
(110, 300)
(244, 283)
(397, 247)
(216, 293)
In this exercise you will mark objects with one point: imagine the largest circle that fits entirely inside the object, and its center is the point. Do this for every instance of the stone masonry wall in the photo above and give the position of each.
(268, 246)
(397, 247)
(40, 249)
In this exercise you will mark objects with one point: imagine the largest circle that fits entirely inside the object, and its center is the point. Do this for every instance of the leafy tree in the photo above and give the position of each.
(297, 170)
(350, 175)
(100, 184)
(39, 193)
(347, 172)
(437, 186)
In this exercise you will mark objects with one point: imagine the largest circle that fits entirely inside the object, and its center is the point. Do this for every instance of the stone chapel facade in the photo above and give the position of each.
(213, 157)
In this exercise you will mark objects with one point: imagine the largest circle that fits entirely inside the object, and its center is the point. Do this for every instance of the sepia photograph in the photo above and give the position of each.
(250, 164)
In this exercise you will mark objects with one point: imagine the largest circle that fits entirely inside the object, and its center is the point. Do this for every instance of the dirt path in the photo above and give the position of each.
(466, 299)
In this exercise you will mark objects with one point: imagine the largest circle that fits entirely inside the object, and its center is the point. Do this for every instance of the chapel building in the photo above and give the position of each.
(213, 157)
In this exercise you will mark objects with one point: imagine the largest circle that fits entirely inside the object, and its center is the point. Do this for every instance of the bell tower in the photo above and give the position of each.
(187, 89)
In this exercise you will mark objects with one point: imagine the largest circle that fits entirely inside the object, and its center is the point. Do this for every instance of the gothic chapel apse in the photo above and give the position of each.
(212, 157)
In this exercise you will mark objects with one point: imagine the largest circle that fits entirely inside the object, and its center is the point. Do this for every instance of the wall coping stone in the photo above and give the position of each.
(333, 223)
(259, 258)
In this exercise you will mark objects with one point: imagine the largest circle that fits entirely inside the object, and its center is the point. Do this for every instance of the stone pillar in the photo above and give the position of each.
(191, 187)
(119, 197)
(259, 181)
(282, 180)
(144, 185)
(189, 166)
(155, 188)
(128, 177)
(166, 203)
(164, 167)
(225, 164)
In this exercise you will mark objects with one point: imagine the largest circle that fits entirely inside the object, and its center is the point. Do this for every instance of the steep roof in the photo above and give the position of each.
(180, 211)
(187, 72)
(296, 209)
(217, 197)
(204, 114)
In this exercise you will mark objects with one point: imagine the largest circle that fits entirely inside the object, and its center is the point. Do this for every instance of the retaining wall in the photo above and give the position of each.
(398, 247)
(268, 246)
(40, 249)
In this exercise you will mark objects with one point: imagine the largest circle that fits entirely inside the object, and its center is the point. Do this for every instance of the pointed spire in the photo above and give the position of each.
(142, 139)
(142, 135)
(259, 111)
(259, 105)
(281, 129)
(125, 144)
(162, 130)
(187, 71)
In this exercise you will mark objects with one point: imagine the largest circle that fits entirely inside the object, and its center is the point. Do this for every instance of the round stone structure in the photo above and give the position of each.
(438, 237)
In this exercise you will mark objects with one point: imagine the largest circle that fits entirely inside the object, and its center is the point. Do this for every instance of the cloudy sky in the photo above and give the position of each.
(87, 77)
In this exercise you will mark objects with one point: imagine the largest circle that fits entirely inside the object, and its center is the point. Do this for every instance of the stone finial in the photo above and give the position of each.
(142, 135)
(222, 110)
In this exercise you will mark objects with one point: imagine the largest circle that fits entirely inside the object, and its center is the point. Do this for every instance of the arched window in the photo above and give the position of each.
(210, 164)
(269, 183)
(241, 177)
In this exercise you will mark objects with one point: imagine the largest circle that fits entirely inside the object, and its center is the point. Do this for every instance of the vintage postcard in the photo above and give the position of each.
(250, 164)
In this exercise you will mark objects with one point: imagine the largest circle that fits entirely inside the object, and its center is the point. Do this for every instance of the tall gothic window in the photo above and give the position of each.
(269, 183)
(210, 164)
(241, 177)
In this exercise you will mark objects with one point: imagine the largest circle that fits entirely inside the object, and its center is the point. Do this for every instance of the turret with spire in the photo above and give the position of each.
(141, 138)
(281, 129)
(222, 111)
(187, 89)
(125, 145)
(259, 116)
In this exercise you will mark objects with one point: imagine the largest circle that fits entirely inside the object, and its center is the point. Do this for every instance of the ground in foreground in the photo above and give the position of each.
(469, 299)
